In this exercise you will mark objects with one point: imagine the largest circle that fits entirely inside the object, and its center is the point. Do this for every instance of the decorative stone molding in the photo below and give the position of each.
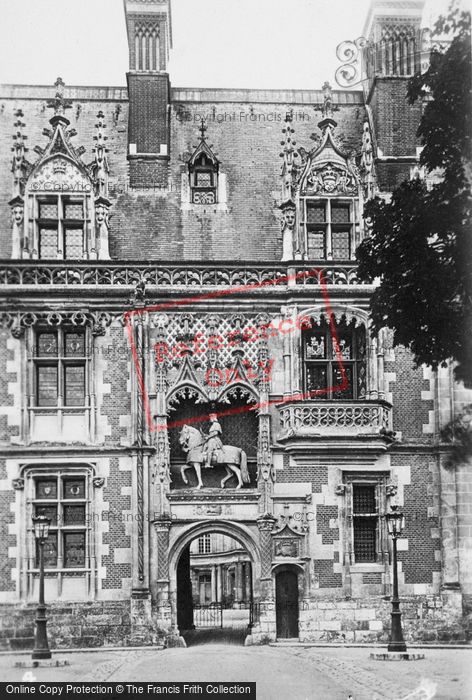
(98, 482)
(391, 489)
(367, 162)
(162, 524)
(264, 454)
(243, 496)
(266, 522)
(340, 490)
(18, 484)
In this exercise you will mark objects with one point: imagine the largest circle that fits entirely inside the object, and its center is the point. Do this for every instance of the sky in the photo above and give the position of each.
(217, 43)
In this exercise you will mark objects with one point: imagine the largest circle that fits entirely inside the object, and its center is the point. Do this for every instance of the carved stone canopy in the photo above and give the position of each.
(329, 171)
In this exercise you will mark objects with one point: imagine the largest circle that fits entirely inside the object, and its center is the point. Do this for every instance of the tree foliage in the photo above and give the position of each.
(420, 243)
(458, 433)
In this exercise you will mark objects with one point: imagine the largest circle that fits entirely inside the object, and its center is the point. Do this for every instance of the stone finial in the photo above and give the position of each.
(59, 104)
(327, 109)
(19, 149)
(202, 129)
(100, 165)
(289, 153)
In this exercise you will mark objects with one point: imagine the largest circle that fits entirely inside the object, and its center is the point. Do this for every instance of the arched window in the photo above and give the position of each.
(322, 370)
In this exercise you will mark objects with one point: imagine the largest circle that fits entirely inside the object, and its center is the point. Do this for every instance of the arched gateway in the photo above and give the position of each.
(185, 614)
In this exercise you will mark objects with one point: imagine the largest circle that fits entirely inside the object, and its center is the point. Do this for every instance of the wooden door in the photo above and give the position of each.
(286, 604)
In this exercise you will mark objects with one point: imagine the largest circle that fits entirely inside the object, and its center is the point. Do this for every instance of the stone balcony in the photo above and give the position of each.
(336, 419)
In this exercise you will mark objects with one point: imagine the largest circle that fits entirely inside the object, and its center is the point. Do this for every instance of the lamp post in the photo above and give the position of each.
(41, 647)
(395, 524)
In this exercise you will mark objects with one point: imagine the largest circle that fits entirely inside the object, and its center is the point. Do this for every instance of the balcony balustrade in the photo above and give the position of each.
(309, 419)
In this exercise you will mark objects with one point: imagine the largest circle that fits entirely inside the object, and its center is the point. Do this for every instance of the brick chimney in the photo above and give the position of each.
(393, 55)
(149, 29)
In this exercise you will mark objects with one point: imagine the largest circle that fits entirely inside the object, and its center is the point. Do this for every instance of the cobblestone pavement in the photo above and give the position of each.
(280, 672)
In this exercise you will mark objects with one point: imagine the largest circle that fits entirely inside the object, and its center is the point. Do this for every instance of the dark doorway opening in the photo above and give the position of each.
(214, 590)
(286, 604)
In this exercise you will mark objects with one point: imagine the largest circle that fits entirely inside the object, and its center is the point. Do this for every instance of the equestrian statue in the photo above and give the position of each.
(209, 451)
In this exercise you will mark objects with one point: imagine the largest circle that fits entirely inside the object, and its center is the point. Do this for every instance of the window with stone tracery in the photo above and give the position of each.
(329, 226)
(326, 365)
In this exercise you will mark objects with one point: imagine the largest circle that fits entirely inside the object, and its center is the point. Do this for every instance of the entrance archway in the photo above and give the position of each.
(286, 603)
(214, 570)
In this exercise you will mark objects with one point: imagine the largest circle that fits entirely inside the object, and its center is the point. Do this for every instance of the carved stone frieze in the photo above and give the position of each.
(39, 273)
(17, 322)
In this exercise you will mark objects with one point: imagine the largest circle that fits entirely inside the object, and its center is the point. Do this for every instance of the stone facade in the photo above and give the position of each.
(160, 263)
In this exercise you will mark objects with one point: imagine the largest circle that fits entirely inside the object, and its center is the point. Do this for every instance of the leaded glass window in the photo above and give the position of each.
(329, 228)
(334, 364)
(60, 362)
(60, 226)
(63, 499)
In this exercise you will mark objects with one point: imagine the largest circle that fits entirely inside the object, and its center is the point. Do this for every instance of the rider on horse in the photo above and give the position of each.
(213, 441)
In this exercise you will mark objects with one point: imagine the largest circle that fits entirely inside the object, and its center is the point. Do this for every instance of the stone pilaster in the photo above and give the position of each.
(162, 528)
(266, 524)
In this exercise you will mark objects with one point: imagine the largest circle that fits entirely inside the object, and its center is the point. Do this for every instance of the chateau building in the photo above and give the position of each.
(179, 263)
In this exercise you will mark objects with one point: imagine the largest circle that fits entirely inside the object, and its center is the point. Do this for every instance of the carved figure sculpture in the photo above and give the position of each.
(194, 443)
(213, 442)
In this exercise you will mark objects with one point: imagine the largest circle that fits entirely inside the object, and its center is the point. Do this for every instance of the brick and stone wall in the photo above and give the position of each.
(147, 219)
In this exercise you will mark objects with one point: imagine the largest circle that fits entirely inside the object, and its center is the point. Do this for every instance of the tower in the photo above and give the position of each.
(393, 54)
(148, 24)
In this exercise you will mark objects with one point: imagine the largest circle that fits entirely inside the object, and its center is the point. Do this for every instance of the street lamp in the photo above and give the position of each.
(41, 647)
(395, 525)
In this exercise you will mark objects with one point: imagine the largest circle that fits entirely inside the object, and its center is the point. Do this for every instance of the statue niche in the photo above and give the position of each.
(196, 447)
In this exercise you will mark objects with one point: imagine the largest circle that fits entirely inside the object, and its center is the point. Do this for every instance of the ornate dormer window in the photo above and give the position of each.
(328, 196)
(60, 207)
(203, 172)
(320, 197)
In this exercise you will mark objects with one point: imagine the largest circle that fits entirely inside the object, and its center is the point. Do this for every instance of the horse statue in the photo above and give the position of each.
(234, 459)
